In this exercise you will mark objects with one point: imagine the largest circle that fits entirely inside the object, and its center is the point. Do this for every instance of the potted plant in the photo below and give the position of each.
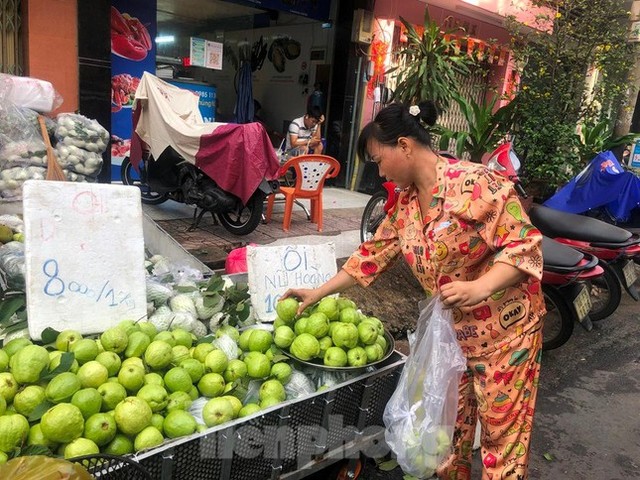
(486, 127)
(429, 65)
(597, 136)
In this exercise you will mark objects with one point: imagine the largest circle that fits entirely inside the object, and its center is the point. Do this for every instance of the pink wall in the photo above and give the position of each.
(413, 11)
(51, 46)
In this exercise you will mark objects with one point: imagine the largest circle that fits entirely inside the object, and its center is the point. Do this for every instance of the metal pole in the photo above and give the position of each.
(354, 129)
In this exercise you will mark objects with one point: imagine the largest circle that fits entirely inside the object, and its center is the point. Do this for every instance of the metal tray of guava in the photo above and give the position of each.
(317, 363)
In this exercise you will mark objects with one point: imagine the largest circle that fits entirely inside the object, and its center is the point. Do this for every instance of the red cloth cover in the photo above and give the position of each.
(238, 157)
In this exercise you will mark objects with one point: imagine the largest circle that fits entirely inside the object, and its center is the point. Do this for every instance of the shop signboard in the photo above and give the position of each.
(133, 51)
(73, 282)
(313, 9)
(274, 270)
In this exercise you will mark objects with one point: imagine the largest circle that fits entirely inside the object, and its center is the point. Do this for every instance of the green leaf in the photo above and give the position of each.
(211, 299)
(37, 412)
(10, 305)
(185, 289)
(388, 465)
(548, 457)
(216, 283)
(14, 327)
(280, 358)
(206, 339)
(66, 359)
(33, 450)
(49, 335)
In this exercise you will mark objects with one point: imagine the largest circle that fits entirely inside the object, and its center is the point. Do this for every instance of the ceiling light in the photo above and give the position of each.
(165, 39)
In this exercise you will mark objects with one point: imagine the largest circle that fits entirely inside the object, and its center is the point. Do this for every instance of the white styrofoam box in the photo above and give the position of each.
(84, 252)
(272, 270)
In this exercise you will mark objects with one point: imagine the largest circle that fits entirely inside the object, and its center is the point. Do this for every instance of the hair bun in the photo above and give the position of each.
(428, 112)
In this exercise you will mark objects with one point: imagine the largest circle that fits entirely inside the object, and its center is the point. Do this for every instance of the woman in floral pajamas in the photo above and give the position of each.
(463, 232)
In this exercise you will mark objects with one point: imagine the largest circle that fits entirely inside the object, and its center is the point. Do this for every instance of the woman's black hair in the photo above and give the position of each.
(396, 121)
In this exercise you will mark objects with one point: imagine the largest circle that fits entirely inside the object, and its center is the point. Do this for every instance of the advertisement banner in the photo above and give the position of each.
(133, 30)
(635, 156)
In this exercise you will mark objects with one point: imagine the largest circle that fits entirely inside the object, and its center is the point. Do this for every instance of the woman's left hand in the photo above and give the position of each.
(463, 294)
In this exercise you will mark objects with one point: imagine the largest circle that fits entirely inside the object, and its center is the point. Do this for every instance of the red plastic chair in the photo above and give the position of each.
(311, 171)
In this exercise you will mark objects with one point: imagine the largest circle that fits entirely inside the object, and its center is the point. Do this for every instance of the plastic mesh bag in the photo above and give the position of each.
(21, 142)
(420, 416)
(12, 266)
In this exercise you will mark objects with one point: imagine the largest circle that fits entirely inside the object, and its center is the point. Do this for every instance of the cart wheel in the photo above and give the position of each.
(350, 471)
(112, 467)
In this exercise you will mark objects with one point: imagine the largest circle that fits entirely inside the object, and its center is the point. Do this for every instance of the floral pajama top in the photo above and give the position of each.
(474, 220)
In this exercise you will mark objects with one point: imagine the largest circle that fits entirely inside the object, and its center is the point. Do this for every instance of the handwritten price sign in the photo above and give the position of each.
(84, 251)
(273, 270)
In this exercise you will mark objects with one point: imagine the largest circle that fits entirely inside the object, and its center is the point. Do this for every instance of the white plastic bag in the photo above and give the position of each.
(421, 413)
(29, 92)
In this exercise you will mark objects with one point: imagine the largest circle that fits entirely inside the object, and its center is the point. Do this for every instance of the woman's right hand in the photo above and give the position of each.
(306, 296)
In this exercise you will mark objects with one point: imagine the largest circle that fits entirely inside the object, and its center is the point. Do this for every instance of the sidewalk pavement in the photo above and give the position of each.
(211, 243)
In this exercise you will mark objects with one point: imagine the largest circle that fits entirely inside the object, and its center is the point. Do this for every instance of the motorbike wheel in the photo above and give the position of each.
(558, 322)
(606, 293)
(245, 219)
(372, 216)
(129, 176)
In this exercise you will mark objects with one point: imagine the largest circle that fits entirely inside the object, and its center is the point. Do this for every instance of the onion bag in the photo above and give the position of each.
(420, 416)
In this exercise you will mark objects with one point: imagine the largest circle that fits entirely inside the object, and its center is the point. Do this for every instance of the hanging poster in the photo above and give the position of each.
(205, 53)
(197, 51)
(214, 55)
(133, 30)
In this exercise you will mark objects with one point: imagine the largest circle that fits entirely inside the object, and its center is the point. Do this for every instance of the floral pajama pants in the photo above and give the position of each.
(501, 390)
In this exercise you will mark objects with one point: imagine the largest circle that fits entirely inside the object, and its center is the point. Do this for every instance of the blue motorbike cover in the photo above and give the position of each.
(603, 183)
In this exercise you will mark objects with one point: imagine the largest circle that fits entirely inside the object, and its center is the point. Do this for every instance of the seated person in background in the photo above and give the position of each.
(304, 134)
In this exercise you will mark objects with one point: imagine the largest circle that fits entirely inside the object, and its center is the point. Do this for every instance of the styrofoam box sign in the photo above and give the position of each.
(84, 252)
(274, 270)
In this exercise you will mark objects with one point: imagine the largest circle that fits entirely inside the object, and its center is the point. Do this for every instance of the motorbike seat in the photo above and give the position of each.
(555, 223)
(558, 257)
(633, 240)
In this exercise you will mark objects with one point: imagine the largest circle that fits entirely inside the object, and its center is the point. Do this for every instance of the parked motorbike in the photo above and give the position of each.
(566, 277)
(226, 170)
(615, 247)
(605, 290)
(567, 273)
(605, 190)
(171, 178)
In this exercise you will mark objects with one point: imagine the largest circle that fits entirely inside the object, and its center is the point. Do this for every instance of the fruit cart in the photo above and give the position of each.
(288, 441)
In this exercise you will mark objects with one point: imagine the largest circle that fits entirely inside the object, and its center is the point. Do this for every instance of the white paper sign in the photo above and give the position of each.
(273, 270)
(84, 252)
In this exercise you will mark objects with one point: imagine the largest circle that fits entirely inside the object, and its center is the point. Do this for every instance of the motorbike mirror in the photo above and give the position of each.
(493, 164)
(515, 161)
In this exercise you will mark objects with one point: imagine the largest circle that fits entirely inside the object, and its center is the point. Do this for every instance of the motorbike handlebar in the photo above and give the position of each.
(520, 189)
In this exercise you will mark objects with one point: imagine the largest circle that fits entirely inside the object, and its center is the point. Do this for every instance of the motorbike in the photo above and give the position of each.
(615, 247)
(567, 273)
(605, 290)
(605, 190)
(226, 170)
(171, 178)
